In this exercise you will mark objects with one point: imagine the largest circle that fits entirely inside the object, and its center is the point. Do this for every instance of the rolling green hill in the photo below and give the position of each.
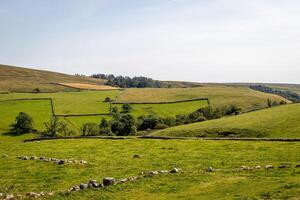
(276, 122)
(17, 79)
(219, 95)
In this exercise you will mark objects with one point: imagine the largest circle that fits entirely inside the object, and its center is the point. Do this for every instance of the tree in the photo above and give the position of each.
(89, 129)
(53, 127)
(126, 108)
(104, 123)
(23, 124)
(65, 129)
(123, 126)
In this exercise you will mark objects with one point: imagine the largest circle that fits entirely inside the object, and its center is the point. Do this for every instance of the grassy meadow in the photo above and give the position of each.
(106, 158)
(276, 122)
(219, 95)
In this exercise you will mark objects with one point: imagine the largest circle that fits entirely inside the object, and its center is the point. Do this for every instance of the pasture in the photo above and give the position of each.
(115, 158)
(276, 122)
(219, 95)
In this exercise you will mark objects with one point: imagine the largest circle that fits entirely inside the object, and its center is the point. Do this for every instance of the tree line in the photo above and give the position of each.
(128, 82)
(292, 96)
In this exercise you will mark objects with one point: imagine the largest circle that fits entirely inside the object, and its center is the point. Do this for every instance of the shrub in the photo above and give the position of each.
(148, 122)
(23, 124)
(104, 124)
(90, 129)
(126, 108)
(52, 127)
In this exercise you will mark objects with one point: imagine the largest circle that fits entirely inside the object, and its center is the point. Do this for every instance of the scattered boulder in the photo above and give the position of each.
(258, 167)
(108, 181)
(163, 171)
(83, 186)
(269, 167)
(153, 173)
(124, 180)
(1, 195)
(175, 170)
(82, 162)
(33, 194)
(42, 158)
(210, 169)
(93, 184)
(245, 168)
(50, 193)
(24, 158)
(33, 158)
(9, 197)
(61, 162)
(297, 166)
(74, 189)
(283, 166)
(4, 156)
(137, 156)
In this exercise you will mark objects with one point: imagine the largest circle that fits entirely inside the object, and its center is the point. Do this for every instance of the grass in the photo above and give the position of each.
(166, 110)
(276, 122)
(219, 95)
(39, 110)
(26, 80)
(115, 159)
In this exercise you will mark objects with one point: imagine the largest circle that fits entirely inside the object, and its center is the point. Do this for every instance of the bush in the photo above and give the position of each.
(52, 127)
(104, 124)
(90, 129)
(126, 108)
(23, 124)
(148, 122)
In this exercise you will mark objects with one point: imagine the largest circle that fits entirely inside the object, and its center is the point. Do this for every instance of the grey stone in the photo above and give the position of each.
(137, 156)
(153, 173)
(83, 162)
(175, 170)
(24, 158)
(124, 180)
(42, 158)
(33, 194)
(163, 171)
(33, 158)
(83, 186)
(61, 162)
(93, 183)
(210, 169)
(1, 195)
(269, 167)
(50, 193)
(258, 167)
(4, 155)
(283, 166)
(9, 197)
(108, 181)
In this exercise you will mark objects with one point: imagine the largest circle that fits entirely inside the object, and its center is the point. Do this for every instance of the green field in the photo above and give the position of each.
(276, 122)
(219, 95)
(106, 158)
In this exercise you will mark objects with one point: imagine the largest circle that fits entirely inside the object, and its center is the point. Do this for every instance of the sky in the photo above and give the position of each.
(190, 40)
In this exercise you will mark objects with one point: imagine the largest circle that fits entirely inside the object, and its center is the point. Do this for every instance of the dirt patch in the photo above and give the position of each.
(88, 86)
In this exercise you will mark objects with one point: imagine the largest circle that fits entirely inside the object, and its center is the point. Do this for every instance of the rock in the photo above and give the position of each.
(244, 168)
(42, 158)
(1, 195)
(269, 167)
(9, 197)
(124, 180)
(137, 156)
(25, 158)
(83, 186)
(108, 181)
(132, 178)
(210, 169)
(153, 173)
(61, 162)
(283, 166)
(82, 162)
(73, 189)
(75, 161)
(175, 170)
(258, 167)
(33, 158)
(163, 171)
(33, 194)
(42, 194)
(297, 166)
(50, 193)
(93, 183)
(4, 156)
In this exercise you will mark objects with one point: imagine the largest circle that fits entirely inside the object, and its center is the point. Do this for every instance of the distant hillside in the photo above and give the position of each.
(19, 79)
(276, 122)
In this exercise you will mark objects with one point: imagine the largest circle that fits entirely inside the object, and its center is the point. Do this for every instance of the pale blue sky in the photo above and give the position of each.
(196, 40)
